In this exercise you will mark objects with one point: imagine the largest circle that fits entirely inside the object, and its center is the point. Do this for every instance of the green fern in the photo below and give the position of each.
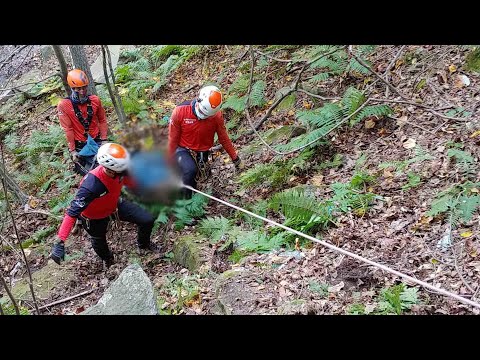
(240, 85)
(366, 49)
(355, 67)
(214, 228)
(456, 203)
(162, 52)
(320, 77)
(257, 95)
(259, 242)
(460, 156)
(186, 210)
(236, 103)
(352, 100)
(129, 55)
(373, 110)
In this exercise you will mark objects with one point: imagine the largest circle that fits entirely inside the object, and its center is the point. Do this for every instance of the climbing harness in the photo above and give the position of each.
(342, 251)
(85, 122)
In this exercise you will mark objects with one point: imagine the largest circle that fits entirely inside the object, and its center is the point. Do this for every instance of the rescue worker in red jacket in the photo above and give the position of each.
(81, 114)
(191, 133)
(98, 201)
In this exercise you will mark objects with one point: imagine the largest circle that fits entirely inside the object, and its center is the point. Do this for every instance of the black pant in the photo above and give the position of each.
(188, 167)
(127, 211)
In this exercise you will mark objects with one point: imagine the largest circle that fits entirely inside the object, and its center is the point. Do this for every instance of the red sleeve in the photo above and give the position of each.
(174, 132)
(66, 123)
(102, 120)
(66, 227)
(224, 139)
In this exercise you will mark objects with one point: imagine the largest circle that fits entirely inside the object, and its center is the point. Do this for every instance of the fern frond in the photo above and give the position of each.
(467, 206)
(240, 85)
(257, 97)
(460, 155)
(236, 103)
(356, 67)
(130, 54)
(214, 228)
(162, 52)
(352, 100)
(256, 175)
(320, 77)
(294, 204)
(373, 110)
(366, 49)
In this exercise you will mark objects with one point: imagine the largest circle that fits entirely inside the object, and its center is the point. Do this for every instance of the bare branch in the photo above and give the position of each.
(66, 299)
(318, 96)
(12, 299)
(18, 238)
(360, 61)
(272, 57)
(392, 63)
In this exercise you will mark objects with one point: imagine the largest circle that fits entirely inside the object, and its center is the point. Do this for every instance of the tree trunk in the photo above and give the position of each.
(112, 90)
(80, 62)
(63, 67)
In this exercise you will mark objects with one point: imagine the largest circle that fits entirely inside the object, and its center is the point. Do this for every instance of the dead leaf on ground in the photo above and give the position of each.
(336, 288)
(369, 124)
(402, 120)
(317, 180)
(461, 81)
(409, 143)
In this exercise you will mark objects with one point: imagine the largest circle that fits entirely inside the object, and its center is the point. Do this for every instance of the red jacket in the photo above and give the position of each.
(74, 129)
(96, 198)
(188, 131)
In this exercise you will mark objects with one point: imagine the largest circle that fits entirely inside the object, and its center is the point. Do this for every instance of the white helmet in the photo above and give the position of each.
(113, 156)
(208, 102)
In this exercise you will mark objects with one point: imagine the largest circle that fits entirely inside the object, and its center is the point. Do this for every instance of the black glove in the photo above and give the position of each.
(239, 164)
(58, 252)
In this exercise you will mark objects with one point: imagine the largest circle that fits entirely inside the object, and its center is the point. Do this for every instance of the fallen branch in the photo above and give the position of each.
(272, 57)
(392, 63)
(411, 123)
(459, 272)
(318, 96)
(66, 299)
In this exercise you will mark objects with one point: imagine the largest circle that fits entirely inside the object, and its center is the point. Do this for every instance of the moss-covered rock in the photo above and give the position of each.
(190, 252)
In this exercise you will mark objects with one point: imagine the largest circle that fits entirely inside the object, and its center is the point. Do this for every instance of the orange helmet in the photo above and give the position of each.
(77, 78)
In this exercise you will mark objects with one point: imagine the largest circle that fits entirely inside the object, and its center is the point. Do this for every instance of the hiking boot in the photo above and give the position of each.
(109, 262)
(151, 247)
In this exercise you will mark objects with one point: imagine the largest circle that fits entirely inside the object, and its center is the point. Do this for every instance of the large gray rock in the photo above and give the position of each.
(131, 294)
(97, 67)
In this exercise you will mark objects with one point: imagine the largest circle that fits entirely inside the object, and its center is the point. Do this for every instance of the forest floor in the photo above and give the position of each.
(311, 279)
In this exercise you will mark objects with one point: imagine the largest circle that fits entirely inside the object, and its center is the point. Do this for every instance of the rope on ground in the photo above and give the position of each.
(345, 252)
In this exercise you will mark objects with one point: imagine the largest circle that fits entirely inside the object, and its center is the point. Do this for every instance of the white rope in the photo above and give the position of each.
(345, 252)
